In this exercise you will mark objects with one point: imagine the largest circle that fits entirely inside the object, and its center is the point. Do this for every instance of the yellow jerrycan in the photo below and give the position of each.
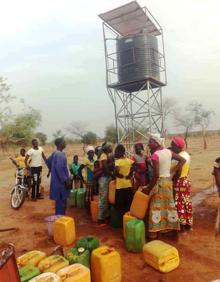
(94, 209)
(32, 257)
(53, 264)
(45, 277)
(105, 265)
(111, 192)
(161, 256)
(64, 232)
(75, 273)
(139, 205)
(126, 217)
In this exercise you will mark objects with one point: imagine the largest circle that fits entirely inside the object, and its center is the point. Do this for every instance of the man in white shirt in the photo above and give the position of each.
(36, 154)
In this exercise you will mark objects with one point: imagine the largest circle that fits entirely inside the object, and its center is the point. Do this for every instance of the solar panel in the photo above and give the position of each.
(130, 19)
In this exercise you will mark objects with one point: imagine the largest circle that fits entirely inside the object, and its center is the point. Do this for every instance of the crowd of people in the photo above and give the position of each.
(162, 173)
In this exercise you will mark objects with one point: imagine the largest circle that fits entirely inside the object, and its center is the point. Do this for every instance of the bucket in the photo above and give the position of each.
(50, 220)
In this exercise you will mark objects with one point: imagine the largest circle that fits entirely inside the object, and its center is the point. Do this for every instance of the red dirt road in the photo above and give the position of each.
(199, 249)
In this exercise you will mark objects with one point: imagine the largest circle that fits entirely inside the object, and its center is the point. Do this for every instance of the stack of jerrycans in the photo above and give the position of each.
(133, 225)
(32, 257)
(28, 264)
(27, 272)
(126, 217)
(105, 265)
(53, 264)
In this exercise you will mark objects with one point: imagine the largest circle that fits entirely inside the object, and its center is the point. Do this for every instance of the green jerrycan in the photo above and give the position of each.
(135, 235)
(80, 197)
(79, 255)
(89, 243)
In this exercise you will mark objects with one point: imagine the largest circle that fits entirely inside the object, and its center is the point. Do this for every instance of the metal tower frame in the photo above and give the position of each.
(137, 104)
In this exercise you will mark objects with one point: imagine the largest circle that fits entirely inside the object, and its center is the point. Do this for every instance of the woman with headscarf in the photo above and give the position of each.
(103, 181)
(88, 180)
(182, 185)
(162, 211)
(88, 165)
(139, 165)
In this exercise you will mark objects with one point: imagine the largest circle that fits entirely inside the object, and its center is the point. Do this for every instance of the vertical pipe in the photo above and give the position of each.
(161, 112)
(149, 106)
(116, 118)
(165, 72)
(106, 54)
(132, 120)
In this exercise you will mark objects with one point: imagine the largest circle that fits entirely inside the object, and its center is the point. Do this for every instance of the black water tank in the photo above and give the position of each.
(137, 57)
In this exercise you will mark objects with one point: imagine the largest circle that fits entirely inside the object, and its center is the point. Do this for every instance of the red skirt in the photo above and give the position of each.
(183, 201)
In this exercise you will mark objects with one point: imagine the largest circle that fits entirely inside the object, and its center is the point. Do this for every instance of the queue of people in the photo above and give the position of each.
(162, 174)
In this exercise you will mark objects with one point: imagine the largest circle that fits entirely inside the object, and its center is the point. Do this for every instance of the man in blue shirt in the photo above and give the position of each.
(57, 164)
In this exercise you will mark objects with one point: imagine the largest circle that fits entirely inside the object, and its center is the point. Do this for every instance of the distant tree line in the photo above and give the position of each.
(21, 128)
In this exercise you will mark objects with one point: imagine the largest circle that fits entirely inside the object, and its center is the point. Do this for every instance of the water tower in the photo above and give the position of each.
(135, 71)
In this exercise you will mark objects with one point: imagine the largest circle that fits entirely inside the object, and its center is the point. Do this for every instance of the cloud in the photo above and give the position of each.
(52, 53)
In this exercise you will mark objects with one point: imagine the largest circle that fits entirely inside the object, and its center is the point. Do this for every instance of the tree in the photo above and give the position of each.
(22, 126)
(77, 129)
(169, 109)
(202, 118)
(186, 122)
(5, 99)
(42, 137)
(58, 134)
(111, 134)
(89, 138)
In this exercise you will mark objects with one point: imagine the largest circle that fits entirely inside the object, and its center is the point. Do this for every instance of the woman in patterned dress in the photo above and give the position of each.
(162, 211)
(182, 185)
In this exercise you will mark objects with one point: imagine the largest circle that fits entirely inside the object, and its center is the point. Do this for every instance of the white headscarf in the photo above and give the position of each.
(156, 137)
(90, 148)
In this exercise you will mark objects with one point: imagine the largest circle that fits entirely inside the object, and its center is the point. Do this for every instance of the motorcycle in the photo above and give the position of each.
(21, 188)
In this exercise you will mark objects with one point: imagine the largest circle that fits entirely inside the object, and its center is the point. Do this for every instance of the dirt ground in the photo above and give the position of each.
(199, 249)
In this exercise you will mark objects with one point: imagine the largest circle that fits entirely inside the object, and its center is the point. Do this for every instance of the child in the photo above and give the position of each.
(139, 159)
(74, 169)
(19, 161)
(124, 168)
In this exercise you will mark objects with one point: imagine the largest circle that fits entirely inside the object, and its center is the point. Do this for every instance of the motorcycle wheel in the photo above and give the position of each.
(17, 197)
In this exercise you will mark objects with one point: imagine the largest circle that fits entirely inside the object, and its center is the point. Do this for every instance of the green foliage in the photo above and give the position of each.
(22, 126)
(58, 134)
(42, 137)
(5, 99)
(89, 138)
(111, 134)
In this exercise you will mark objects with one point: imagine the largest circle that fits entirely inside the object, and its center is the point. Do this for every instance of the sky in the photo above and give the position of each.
(52, 54)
